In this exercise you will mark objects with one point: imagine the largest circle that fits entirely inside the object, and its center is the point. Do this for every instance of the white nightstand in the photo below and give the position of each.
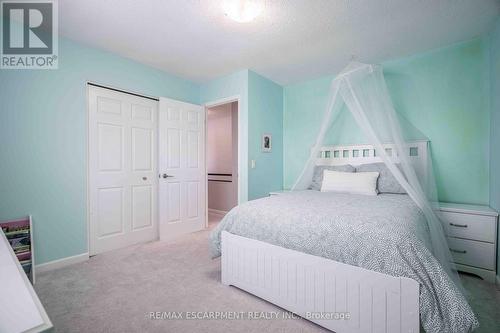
(472, 237)
(278, 192)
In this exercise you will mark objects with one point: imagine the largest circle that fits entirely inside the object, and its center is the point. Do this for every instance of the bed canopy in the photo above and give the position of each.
(362, 88)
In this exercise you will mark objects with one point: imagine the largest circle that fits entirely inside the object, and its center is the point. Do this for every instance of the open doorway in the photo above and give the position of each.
(222, 159)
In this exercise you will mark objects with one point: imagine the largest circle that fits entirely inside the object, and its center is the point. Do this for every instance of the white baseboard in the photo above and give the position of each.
(217, 212)
(59, 263)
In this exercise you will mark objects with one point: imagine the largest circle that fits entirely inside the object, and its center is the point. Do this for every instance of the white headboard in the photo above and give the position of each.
(364, 154)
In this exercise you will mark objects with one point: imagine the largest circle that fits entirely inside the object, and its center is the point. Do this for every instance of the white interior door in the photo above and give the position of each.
(123, 172)
(182, 192)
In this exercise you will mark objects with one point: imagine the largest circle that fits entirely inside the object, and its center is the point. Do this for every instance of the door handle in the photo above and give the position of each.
(165, 175)
(458, 225)
(458, 251)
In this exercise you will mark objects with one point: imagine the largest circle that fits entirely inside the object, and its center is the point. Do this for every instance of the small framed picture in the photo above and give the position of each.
(267, 143)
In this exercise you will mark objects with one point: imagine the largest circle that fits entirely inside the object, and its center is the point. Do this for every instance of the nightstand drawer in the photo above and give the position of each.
(472, 253)
(476, 227)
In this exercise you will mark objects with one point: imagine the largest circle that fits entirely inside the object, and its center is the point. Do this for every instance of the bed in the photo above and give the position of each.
(350, 263)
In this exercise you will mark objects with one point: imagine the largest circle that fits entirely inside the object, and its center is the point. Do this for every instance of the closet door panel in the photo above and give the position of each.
(123, 181)
(182, 168)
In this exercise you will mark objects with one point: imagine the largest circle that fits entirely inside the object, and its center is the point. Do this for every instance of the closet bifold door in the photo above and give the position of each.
(123, 169)
(182, 171)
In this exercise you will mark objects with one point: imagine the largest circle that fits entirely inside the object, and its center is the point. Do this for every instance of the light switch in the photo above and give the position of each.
(252, 164)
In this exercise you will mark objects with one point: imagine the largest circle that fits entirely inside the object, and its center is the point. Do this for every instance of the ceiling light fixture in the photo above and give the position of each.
(242, 10)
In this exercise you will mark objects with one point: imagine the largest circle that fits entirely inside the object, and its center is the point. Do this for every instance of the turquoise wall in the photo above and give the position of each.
(233, 85)
(495, 117)
(444, 94)
(43, 136)
(303, 107)
(261, 111)
(265, 106)
(494, 39)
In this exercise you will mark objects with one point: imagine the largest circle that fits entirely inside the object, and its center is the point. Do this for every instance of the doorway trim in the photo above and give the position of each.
(242, 145)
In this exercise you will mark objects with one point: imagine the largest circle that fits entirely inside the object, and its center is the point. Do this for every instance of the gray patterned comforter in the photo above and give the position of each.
(386, 233)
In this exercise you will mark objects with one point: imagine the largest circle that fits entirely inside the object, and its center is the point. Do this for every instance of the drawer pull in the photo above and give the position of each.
(458, 225)
(458, 251)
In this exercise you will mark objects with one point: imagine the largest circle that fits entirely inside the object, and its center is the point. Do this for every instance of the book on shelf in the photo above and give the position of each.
(17, 233)
(22, 248)
(24, 240)
(27, 268)
(23, 255)
(14, 226)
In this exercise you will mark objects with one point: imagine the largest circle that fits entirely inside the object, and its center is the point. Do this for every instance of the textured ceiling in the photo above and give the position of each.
(291, 41)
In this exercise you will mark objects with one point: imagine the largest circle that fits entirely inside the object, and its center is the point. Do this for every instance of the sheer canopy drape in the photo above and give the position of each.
(362, 88)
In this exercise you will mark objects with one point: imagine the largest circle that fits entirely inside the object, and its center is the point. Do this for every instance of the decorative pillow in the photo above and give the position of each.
(387, 183)
(350, 182)
(318, 174)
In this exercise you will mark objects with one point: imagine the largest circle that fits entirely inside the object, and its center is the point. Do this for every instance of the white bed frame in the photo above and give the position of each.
(337, 296)
(364, 154)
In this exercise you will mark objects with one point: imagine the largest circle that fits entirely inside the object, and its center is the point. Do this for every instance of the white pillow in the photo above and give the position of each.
(350, 182)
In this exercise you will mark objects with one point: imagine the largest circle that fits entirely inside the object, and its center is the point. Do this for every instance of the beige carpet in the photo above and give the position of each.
(116, 291)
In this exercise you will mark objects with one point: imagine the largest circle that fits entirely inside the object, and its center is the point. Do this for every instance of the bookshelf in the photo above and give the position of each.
(20, 308)
(20, 237)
